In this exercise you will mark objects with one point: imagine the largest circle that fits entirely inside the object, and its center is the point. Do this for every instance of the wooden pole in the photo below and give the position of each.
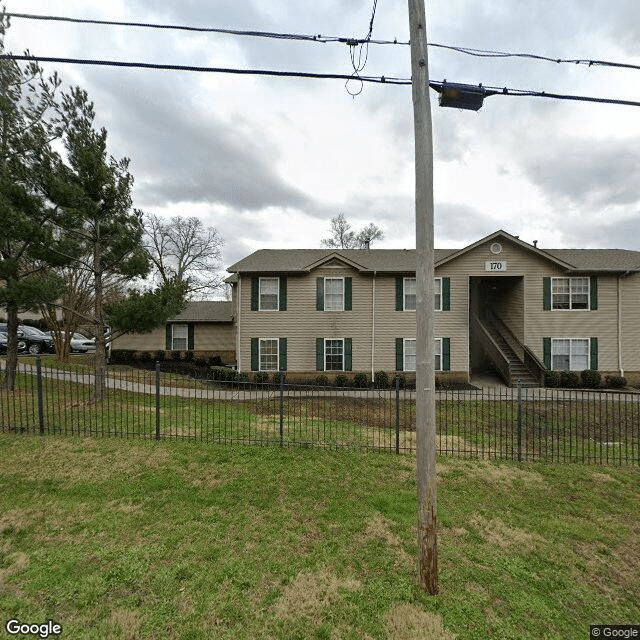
(425, 335)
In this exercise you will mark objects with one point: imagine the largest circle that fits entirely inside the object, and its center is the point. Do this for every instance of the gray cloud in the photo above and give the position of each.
(584, 172)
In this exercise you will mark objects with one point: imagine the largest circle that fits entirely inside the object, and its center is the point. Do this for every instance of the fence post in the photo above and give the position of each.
(519, 420)
(397, 414)
(157, 401)
(281, 407)
(40, 399)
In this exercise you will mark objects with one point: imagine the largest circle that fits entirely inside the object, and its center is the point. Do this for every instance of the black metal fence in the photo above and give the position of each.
(556, 425)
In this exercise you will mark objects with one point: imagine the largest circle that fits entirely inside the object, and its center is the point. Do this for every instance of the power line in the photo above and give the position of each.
(234, 32)
(319, 38)
(488, 53)
(179, 67)
(301, 74)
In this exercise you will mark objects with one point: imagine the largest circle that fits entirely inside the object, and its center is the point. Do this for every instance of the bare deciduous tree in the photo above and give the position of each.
(342, 237)
(184, 249)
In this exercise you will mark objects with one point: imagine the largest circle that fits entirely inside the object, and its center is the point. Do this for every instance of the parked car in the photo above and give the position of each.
(3, 343)
(36, 341)
(79, 343)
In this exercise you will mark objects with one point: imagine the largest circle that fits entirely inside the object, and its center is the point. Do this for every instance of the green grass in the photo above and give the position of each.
(131, 539)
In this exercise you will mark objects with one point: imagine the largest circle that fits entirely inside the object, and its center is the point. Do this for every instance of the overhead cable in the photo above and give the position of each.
(301, 74)
(319, 38)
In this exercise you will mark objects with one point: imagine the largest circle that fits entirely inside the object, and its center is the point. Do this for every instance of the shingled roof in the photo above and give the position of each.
(206, 311)
(404, 260)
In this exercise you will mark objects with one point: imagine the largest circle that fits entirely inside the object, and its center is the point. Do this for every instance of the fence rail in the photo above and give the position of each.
(556, 425)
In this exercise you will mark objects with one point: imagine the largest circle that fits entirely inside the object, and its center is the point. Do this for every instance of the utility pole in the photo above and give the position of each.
(425, 335)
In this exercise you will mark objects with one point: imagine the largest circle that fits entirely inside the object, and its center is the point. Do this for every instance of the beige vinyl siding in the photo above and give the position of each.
(214, 337)
(153, 341)
(630, 337)
(301, 323)
(206, 337)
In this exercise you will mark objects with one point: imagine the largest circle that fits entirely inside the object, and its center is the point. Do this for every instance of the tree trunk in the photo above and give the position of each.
(101, 351)
(12, 347)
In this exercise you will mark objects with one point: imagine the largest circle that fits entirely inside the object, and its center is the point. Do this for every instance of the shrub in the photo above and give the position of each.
(551, 379)
(616, 382)
(200, 362)
(243, 376)
(223, 373)
(144, 356)
(188, 356)
(590, 379)
(276, 377)
(360, 380)
(174, 355)
(341, 381)
(569, 379)
(121, 356)
(402, 380)
(261, 377)
(382, 379)
(214, 361)
(159, 355)
(322, 380)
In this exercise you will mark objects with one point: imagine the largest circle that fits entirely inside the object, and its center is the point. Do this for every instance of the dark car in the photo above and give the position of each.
(35, 341)
(3, 343)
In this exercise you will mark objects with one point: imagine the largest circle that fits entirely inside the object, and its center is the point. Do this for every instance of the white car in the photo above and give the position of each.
(80, 343)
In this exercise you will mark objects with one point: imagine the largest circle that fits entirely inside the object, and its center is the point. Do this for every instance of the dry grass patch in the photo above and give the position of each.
(309, 593)
(602, 477)
(129, 623)
(500, 473)
(378, 529)
(410, 622)
(498, 534)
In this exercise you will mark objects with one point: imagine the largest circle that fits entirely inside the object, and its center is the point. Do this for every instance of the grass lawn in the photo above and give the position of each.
(130, 539)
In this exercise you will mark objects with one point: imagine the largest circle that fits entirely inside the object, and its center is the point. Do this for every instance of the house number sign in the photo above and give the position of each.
(495, 265)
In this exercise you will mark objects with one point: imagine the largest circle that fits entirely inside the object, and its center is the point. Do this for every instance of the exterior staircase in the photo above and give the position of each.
(517, 367)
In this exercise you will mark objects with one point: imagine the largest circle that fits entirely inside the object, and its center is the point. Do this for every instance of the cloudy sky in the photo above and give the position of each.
(269, 161)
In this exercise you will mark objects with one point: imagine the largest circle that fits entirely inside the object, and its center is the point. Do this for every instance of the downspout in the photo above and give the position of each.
(373, 327)
(239, 303)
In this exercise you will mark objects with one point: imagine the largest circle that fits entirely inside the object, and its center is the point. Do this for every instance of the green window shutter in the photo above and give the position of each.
(167, 345)
(594, 353)
(283, 293)
(255, 294)
(593, 293)
(282, 348)
(399, 354)
(320, 295)
(319, 354)
(446, 294)
(190, 336)
(446, 354)
(546, 292)
(546, 350)
(348, 293)
(348, 354)
(255, 356)
(399, 294)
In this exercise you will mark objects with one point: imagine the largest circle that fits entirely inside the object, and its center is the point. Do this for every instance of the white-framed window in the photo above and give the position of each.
(334, 294)
(268, 354)
(269, 294)
(334, 354)
(179, 337)
(570, 354)
(438, 352)
(409, 294)
(437, 288)
(409, 354)
(570, 293)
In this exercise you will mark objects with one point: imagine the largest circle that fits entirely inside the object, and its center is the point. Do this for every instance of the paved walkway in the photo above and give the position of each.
(500, 393)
